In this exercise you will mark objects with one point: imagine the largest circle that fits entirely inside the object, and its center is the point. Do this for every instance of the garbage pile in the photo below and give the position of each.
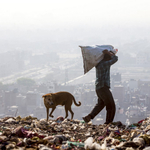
(29, 133)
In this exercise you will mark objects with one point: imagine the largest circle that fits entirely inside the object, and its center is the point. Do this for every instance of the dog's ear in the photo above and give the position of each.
(44, 96)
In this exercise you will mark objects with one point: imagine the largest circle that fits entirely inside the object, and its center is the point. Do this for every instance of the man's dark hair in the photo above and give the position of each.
(107, 57)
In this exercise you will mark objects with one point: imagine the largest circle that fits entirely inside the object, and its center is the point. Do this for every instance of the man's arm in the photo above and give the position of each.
(113, 59)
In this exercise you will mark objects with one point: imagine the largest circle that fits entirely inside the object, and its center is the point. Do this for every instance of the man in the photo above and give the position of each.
(102, 84)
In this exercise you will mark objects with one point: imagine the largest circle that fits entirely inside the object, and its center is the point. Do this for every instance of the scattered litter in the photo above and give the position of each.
(63, 134)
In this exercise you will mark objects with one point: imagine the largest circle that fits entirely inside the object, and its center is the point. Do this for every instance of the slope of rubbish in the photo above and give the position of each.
(31, 134)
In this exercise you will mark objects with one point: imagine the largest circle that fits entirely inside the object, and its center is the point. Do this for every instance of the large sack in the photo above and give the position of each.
(92, 55)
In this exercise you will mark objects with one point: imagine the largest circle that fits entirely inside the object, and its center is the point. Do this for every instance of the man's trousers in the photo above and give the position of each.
(105, 98)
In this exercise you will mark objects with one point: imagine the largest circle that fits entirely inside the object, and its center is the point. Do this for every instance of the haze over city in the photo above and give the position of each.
(63, 25)
(40, 40)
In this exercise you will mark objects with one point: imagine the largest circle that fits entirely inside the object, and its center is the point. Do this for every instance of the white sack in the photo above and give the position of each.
(92, 55)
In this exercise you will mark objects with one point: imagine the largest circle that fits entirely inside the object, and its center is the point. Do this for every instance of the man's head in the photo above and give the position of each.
(106, 57)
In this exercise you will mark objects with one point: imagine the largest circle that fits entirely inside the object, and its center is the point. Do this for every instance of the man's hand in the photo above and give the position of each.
(105, 51)
(108, 52)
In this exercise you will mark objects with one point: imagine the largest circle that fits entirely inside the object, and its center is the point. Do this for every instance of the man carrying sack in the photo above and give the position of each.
(102, 84)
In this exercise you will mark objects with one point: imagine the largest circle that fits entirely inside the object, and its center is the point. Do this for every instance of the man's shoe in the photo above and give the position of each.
(87, 118)
(107, 122)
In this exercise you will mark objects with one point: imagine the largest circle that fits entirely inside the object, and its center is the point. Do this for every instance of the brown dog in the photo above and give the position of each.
(51, 100)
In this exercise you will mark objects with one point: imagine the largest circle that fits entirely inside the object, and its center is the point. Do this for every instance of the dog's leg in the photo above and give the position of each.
(47, 109)
(72, 113)
(66, 110)
(52, 112)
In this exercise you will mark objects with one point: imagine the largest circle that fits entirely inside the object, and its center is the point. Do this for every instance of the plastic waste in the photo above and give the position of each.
(146, 138)
(59, 119)
(64, 147)
(104, 145)
(147, 148)
(72, 134)
(43, 147)
(10, 120)
(76, 144)
(89, 144)
(140, 141)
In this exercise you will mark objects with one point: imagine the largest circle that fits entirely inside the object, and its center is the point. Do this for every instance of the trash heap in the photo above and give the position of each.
(29, 133)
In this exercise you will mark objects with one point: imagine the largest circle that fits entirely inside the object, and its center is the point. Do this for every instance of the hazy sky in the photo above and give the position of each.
(57, 13)
(75, 18)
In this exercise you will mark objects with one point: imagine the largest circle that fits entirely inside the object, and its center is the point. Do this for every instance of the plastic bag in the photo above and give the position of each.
(92, 55)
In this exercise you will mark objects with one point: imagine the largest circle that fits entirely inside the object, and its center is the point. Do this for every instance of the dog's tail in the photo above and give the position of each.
(76, 102)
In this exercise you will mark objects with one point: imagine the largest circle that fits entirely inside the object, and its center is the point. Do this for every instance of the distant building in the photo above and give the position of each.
(10, 98)
(33, 100)
(118, 93)
(20, 100)
(115, 80)
(116, 77)
(43, 88)
(144, 86)
(133, 84)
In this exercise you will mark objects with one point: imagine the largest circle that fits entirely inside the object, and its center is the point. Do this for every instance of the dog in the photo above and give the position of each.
(51, 100)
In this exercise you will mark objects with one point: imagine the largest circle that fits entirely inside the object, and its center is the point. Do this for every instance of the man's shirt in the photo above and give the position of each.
(103, 72)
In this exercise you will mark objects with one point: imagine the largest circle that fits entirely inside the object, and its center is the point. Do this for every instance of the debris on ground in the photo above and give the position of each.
(29, 133)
